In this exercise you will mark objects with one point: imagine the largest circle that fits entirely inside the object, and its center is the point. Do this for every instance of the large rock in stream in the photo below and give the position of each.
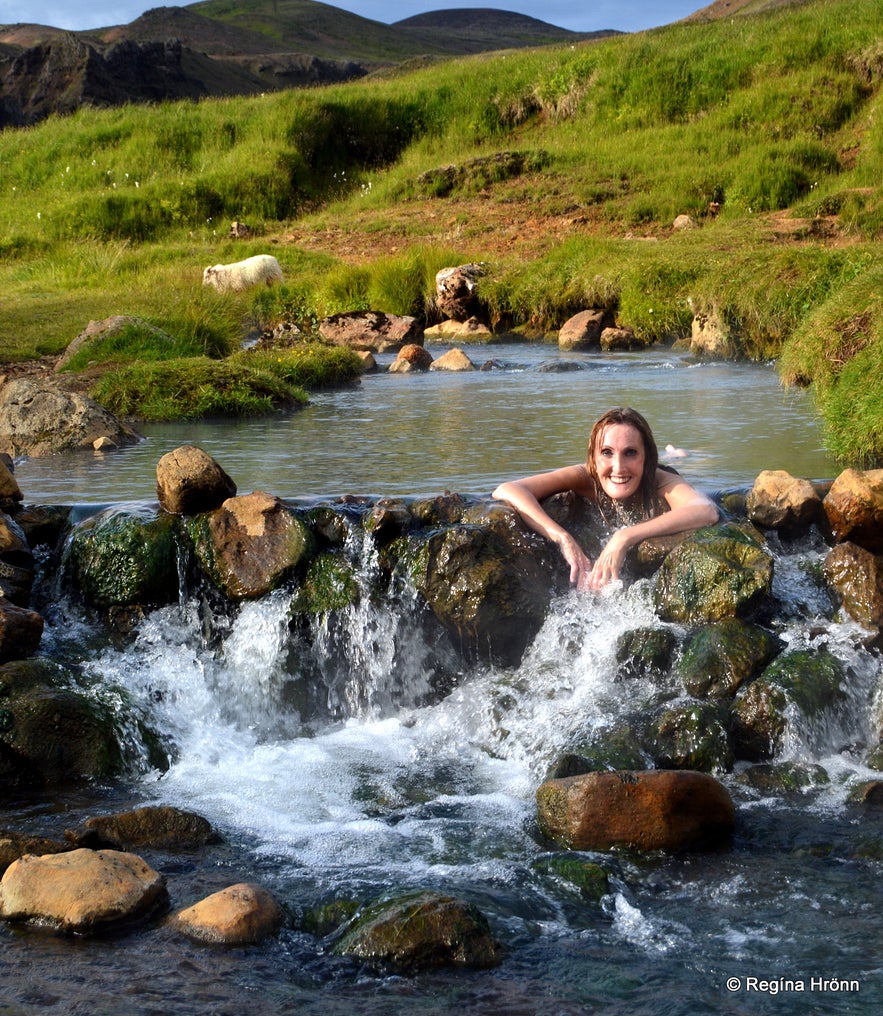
(82, 891)
(55, 731)
(126, 556)
(39, 417)
(812, 682)
(717, 572)
(652, 810)
(251, 544)
(419, 933)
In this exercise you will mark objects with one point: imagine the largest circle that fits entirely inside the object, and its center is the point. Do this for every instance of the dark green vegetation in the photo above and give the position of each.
(767, 129)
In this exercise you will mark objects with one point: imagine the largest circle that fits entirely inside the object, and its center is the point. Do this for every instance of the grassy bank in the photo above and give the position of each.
(571, 164)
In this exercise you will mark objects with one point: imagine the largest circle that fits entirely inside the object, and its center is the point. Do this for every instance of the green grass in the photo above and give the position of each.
(118, 211)
(194, 388)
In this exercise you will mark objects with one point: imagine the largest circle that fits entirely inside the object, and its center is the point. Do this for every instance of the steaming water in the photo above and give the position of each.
(379, 791)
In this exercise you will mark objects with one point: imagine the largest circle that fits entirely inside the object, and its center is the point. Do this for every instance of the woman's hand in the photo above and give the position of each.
(580, 565)
(610, 561)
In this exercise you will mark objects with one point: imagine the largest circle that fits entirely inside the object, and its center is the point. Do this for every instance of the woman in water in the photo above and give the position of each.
(622, 476)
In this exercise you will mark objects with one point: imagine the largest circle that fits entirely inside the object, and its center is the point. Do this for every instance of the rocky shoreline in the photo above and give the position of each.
(478, 583)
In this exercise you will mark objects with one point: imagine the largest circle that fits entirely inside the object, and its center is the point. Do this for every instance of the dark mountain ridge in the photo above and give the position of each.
(214, 49)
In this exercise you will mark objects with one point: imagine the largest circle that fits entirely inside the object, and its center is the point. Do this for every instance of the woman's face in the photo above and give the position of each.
(619, 460)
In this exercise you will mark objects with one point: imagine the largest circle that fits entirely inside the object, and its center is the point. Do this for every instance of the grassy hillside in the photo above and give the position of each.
(572, 163)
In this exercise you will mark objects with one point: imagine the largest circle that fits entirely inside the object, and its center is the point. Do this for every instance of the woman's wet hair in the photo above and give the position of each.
(631, 417)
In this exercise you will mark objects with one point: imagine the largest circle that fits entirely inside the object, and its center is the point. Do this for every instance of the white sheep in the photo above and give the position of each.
(243, 274)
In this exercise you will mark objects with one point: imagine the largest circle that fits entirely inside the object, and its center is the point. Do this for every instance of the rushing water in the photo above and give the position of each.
(394, 793)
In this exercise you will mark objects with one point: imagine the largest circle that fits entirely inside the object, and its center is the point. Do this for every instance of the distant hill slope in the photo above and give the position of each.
(729, 8)
(469, 30)
(219, 47)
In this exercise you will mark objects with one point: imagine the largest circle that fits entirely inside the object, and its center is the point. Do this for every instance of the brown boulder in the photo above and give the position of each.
(190, 481)
(157, 827)
(855, 581)
(456, 291)
(239, 915)
(454, 360)
(16, 562)
(371, 330)
(20, 631)
(81, 891)
(583, 330)
(780, 501)
(653, 810)
(10, 492)
(618, 338)
(714, 336)
(250, 544)
(854, 508)
(411, 358)
(14, 845)
(470, 330)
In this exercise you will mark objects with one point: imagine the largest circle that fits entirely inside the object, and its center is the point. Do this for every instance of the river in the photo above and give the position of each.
(398, 794)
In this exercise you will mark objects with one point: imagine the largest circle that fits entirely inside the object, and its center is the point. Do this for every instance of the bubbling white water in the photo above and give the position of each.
(398, 791)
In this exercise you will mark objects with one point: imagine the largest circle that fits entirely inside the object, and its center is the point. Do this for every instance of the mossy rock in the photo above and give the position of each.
(54, 731)
(126, 557)
(330, 584)
(587, 876)
(784, 777)
(645, 653)
(723, 656)
(693, 735)
(327, 918)
(489, 589)
(720, 571)
(614, 748)
(809, 681)
(420, 932)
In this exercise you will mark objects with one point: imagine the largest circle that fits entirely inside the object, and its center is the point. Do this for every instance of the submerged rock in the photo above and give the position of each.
(420, 933)
(588, 877)
(158, 827)
(653, 810)
(50, 732)
(81, 891)
(645, 653)
(14, 845)
(692, 735)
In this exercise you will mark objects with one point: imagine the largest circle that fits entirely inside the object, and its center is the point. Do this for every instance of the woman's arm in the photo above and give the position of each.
(689, 509)
(525, 496)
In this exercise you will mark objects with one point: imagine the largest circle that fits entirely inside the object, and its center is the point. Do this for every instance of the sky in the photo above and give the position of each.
(577, 15)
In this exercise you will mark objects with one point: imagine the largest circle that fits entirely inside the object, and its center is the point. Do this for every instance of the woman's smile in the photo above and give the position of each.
(619, 460)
